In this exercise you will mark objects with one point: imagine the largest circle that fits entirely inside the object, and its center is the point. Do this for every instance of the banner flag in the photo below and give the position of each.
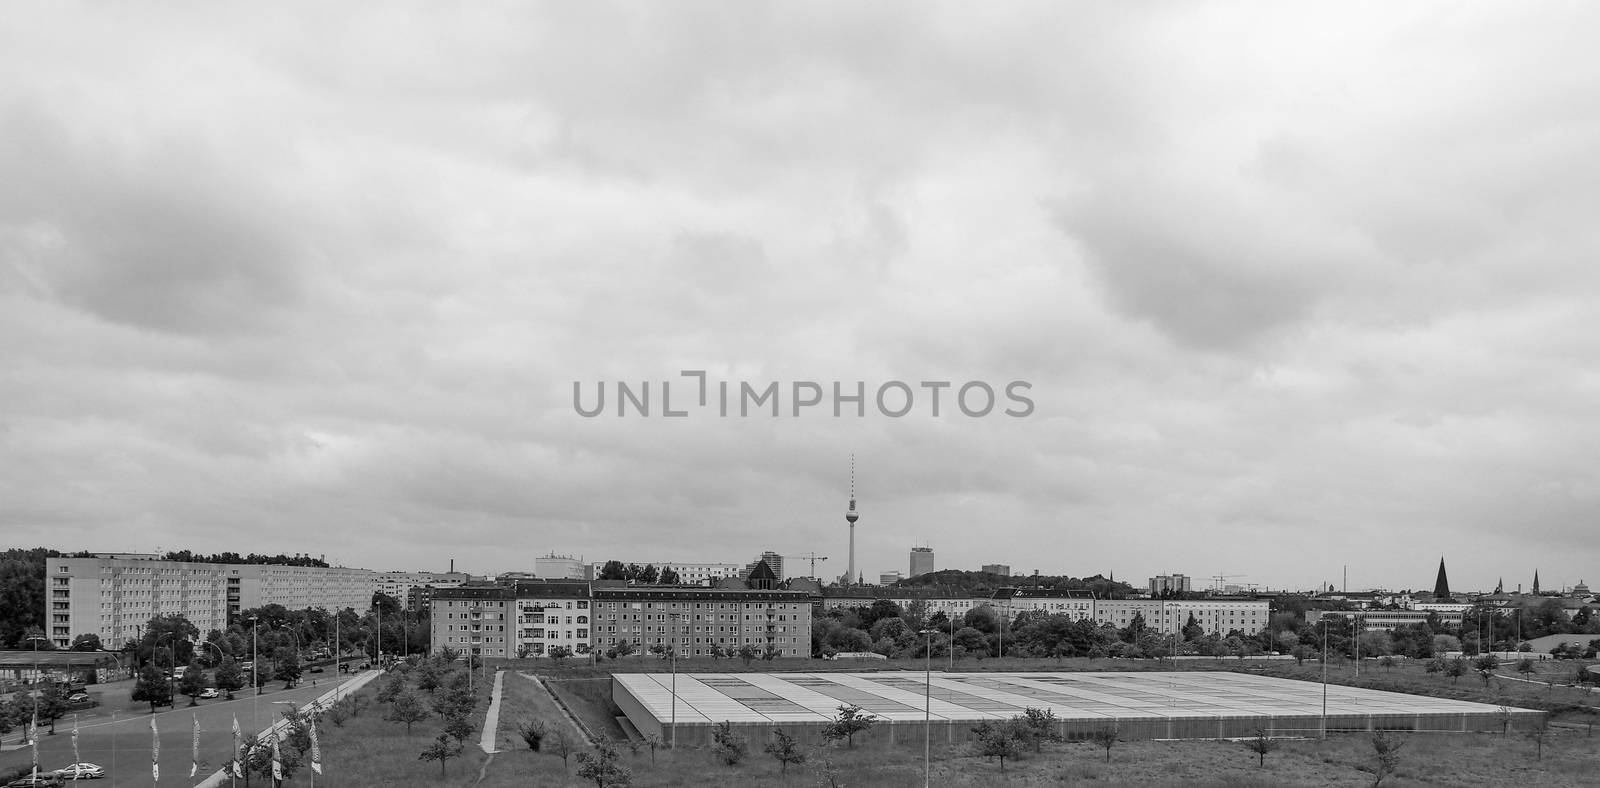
(155, 751)
(194, 765)
(316, 749)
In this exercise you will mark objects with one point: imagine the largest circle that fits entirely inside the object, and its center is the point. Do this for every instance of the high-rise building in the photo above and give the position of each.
(1003, 570)
(888, 578)
(1174, 583)
(921, 561)
(774, 562)
(115, 597)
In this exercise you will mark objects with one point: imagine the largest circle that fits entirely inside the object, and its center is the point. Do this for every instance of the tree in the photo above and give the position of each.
(229, 677)
(785, 749)
(771, 653)
(533, 732)
(730, 746)
(441, 750)
(1444, 644)
(87, 642)
(459, 728)
(1388, 755)
(561, 744)
(748, 653)
(407, 709)
(560, 654)
(286, 665)
(669, 577)
(1525, 666)
(1537, 734)
(428, 678)
(1455, 668)
(193, 682)
(654, 743)
(152, 686)
(391, 689)
(850, 721)
(972, 640)
(604, 766)
(997, 741)
(1107, 738)
(1261, 745)
(52, 706)
(1036, 726)
(1387, 662)
(1486, 665)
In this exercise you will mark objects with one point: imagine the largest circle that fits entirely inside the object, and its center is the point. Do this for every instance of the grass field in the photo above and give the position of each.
(370, 753)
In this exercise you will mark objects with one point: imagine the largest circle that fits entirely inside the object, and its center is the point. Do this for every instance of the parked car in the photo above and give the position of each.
(315, 669)
(42, 781)
(208, 692)
(80, 771)
(77, 697)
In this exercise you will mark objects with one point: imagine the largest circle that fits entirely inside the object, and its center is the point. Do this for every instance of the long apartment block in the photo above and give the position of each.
(530, 618)
(115, 597)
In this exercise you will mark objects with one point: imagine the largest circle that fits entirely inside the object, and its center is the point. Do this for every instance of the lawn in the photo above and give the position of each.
(370, 752)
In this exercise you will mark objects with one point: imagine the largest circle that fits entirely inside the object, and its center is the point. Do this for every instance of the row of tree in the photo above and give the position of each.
(634, 573)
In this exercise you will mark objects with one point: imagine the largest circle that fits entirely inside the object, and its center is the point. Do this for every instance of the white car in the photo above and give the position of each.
(208, 692)
(81, 771)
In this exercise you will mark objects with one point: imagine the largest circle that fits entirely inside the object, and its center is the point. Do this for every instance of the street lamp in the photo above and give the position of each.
(36, 674)
(1324, 676)
(171, 692)
(927, 707)
(672, 652)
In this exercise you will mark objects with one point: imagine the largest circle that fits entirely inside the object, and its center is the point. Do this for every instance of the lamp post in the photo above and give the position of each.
(1324, 677)
(173, 659)
(1355, 635)
(255, 657)
(672, 653)
(927, 707)
(35, 641)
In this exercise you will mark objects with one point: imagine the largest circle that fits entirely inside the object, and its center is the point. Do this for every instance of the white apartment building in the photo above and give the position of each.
(115, 598)
(548, 615)
(1214, 615)
(526, 618)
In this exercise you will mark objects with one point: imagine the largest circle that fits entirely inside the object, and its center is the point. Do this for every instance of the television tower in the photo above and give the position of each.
(851, 516)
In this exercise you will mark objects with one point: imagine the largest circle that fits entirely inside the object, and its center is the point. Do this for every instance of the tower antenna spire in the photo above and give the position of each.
(851, 516)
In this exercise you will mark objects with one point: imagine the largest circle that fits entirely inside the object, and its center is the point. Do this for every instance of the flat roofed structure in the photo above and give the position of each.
(1143, 705)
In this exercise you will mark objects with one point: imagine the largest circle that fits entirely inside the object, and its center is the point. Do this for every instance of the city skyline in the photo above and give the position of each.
(1292, 290)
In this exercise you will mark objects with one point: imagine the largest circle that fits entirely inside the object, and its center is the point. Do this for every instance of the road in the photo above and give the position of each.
(116, 735)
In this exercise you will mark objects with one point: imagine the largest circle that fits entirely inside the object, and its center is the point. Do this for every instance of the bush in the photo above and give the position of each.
(730, 746)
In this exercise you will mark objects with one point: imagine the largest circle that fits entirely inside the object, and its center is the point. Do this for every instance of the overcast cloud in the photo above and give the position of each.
(1295, 287)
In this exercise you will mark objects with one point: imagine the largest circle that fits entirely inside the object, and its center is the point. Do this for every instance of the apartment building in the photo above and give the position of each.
(115, 597)
(699, 619)
(689, 573)
(550, 613)
(1215, 615)
(474, 619)
(398, 584)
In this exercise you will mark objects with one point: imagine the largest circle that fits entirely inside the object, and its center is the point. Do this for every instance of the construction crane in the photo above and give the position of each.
(1221, 580)
(812, 557)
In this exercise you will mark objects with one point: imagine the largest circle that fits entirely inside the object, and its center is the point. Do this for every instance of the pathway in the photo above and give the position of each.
(491, 720)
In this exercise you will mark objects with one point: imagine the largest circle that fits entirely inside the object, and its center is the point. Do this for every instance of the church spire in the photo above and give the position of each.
(1535, 582)
(1500, 586)
(1441, 586)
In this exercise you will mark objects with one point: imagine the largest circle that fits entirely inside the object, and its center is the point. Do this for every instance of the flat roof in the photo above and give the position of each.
(960, 697)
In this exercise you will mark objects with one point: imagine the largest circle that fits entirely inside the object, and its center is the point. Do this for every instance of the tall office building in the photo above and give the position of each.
(921, 561)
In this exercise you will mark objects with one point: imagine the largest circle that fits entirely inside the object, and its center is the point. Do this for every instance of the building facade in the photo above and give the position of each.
(116, 597)
(1003, 570)
(561, 567)
(399, 584)
(921, 561)
(473, 619)
(888, 578)
(551, 613)
(696, 574)
(695, 621)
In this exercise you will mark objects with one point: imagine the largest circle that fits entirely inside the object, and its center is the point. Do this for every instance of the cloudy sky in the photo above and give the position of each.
(1294, 288)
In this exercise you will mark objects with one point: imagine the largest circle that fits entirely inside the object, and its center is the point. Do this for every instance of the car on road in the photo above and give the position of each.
(80, 771)
(209, 693)
(315, 669)
(42, 781)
